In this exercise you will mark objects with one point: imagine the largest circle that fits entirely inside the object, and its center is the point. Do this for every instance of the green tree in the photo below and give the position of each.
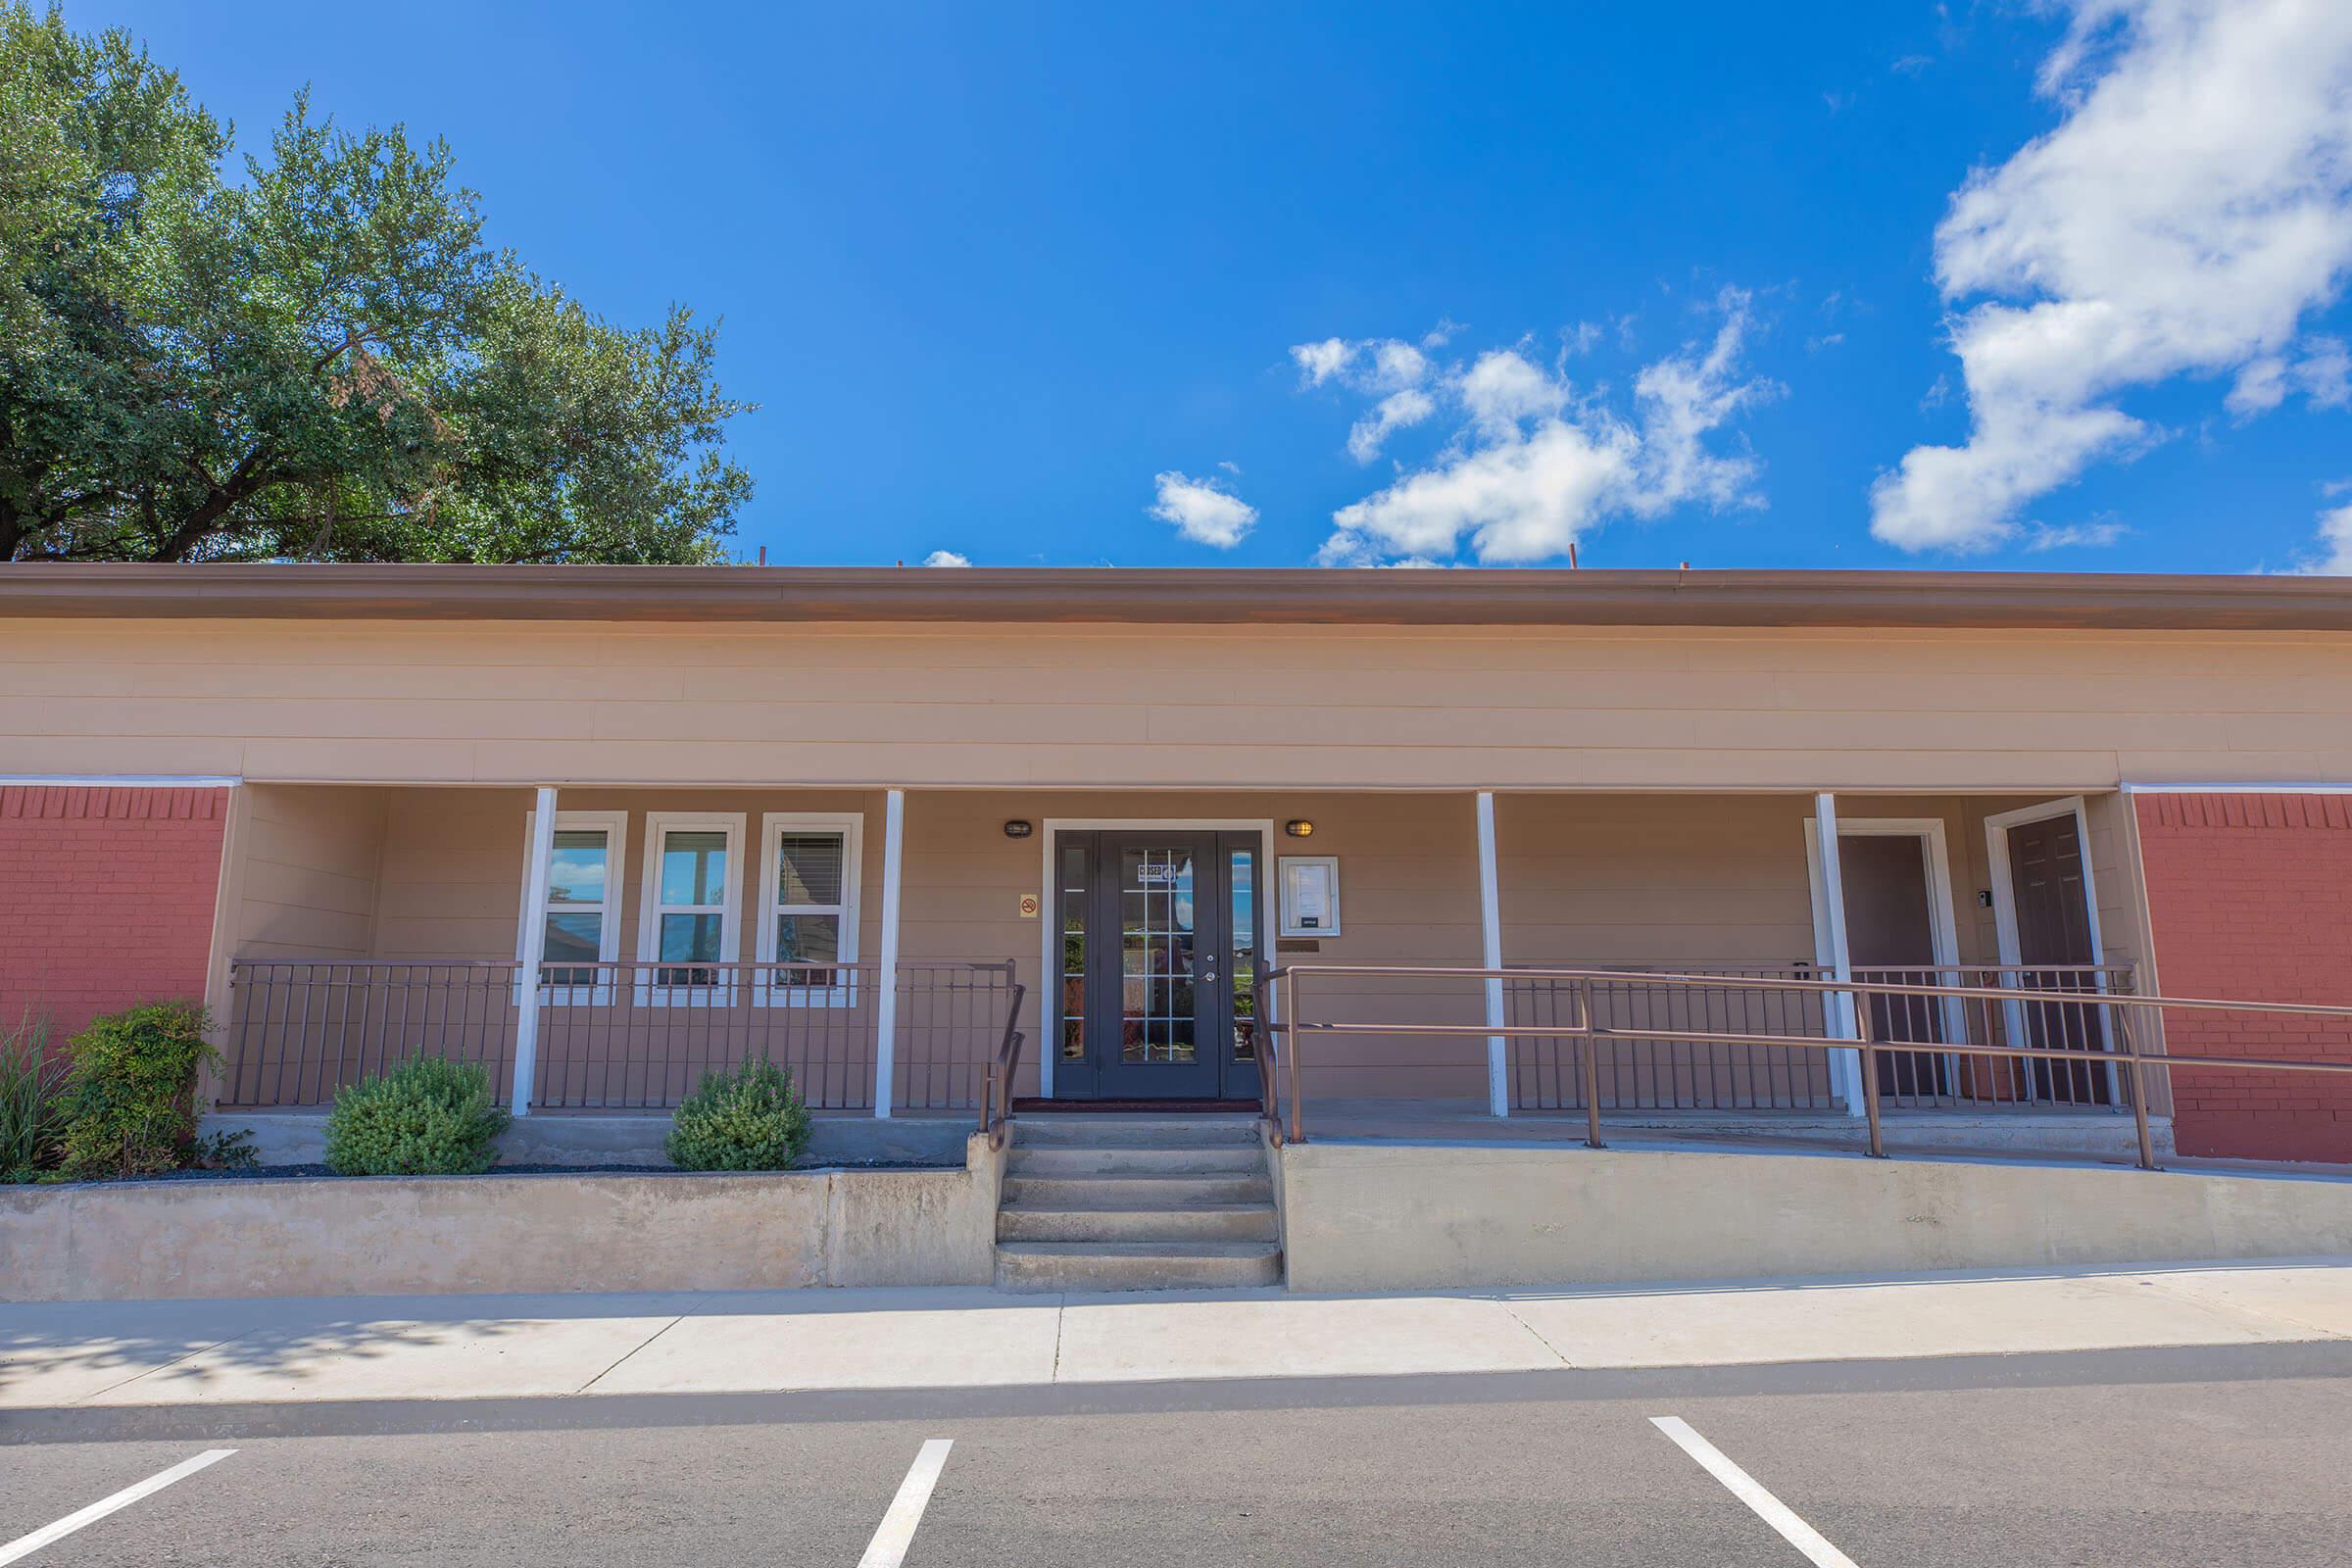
(319, 360)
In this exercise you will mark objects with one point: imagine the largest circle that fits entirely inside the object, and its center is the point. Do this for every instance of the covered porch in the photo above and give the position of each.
(892, 948)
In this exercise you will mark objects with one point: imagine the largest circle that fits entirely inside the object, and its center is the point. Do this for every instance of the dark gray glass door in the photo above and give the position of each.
(1150, 987)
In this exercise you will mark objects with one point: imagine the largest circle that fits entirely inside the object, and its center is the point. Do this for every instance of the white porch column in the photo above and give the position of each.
(1848, 1063)
(534, 949)
(886, 971)
(1490, 920)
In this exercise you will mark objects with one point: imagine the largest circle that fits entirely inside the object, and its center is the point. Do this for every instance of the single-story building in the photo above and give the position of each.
(871, 821)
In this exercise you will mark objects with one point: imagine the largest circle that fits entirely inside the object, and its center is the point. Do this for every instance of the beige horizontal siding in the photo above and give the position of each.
(1291, 707)
(307, 883)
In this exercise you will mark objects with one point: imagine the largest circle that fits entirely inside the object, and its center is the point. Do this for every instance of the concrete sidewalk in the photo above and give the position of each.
(479, 1346)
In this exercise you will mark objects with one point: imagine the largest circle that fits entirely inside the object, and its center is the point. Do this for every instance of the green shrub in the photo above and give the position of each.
(429, 1117)
(748, 1119)
(130, 1090)
(33, 1107)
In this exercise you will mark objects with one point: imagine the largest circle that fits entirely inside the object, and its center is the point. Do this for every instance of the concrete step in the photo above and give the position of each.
(1183, 1222)
(1136, 1265)
(1058, 1129)
(1136, 1159)
(1137, 1192)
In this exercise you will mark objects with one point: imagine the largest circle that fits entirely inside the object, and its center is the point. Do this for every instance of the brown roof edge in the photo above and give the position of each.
(1179, 597)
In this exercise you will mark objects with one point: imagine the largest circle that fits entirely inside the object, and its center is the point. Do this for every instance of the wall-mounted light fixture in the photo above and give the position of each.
(1017, 829)
(1298, 827)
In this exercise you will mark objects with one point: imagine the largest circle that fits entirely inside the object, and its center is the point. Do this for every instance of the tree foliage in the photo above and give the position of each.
(320, 359)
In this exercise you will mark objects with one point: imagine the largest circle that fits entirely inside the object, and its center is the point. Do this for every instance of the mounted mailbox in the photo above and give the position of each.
(1311, 896)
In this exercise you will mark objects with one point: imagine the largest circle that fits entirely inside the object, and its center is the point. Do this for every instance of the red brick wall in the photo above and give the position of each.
(2250, 898)
(106, 898)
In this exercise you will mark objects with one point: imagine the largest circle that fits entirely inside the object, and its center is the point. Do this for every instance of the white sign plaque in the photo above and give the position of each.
(1311, 896)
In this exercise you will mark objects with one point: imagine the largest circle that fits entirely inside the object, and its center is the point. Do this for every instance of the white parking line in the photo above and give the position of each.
(1766, 1507)
(896, 1533)
(25, 1546)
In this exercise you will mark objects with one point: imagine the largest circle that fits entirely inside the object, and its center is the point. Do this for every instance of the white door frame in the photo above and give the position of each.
(2004, 905)
(1944, 925)
(1049, 913)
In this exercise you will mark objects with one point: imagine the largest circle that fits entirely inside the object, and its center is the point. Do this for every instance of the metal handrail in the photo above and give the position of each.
(1587, 1028)
(1269, 1111)
(996, 1092)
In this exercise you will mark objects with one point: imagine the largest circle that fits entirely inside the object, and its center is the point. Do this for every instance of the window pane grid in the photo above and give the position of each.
(1157, 925)
(1243, 867)
(1073, 891)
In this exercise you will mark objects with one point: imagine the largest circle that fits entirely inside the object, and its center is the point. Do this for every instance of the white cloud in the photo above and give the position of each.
(2259, 388)
(2192, 206)
(945, 558)
(2336, 540)
(1394, 411)
(1521, 499)
(2075, 536)
(1318, 363)
(1398, 365)
(1382, 365)
(1204, 511)
(1531, 468)
(1683, 399)
(1502, 388)
(2324, 374)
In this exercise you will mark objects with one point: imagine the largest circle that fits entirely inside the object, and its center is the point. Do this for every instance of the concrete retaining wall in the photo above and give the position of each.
(1375, 1216)
(395, 1235)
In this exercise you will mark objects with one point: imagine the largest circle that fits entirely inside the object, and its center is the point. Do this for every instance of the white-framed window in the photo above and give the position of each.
(582, 906)
(808, 906)
(687, 922)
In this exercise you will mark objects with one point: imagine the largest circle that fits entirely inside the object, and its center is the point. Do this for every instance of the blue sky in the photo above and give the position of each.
(1008, 280)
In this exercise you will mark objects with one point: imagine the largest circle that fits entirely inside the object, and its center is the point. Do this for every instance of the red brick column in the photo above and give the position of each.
(2250, 898)
(106, 898)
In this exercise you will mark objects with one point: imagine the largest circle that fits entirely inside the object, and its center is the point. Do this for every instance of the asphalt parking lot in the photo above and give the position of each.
(2150, 1470)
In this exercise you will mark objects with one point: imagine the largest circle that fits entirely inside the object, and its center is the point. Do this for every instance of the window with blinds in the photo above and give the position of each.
(808, 924)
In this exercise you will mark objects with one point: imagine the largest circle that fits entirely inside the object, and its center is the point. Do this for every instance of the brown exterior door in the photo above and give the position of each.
(1890, 927)
(2050, 896)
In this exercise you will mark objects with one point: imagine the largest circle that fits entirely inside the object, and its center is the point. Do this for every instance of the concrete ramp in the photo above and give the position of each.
(1427, 1215)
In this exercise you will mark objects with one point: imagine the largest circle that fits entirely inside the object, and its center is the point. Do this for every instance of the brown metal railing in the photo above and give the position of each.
(2113, 1045)
(2041, 1005)
(995, 1096)
(1654, 1065)
(628, 1035)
